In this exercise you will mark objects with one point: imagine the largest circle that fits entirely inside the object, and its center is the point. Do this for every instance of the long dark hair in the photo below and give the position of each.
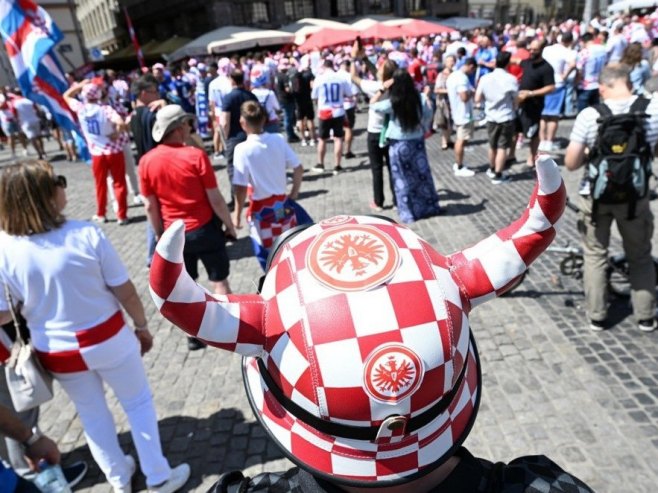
(405, 101)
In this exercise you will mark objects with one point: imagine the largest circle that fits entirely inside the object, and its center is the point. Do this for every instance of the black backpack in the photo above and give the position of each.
(620, 160)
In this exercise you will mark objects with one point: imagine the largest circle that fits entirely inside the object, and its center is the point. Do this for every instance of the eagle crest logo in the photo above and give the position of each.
(392, 373)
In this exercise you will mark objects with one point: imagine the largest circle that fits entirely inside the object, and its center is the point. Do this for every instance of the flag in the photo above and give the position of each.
(30, 36)
(133, 38)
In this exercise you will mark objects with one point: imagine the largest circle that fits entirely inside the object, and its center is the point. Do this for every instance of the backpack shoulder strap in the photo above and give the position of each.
(603, 111)
(640, 105)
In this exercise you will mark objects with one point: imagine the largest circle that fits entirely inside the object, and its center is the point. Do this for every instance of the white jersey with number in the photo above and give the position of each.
(330, 89)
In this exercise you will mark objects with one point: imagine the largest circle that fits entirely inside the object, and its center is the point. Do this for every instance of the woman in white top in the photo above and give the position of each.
(71, 286)
(267, 98)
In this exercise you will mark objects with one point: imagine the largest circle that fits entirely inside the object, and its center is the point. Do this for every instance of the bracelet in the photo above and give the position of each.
(33, 438)
(141, 328)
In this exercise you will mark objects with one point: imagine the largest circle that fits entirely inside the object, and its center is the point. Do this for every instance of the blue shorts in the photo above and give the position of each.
(553, 102)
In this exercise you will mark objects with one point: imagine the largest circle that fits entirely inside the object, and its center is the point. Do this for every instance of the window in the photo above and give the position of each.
(251, 13)
(380, 6)
(415, 5)
(342, 8)
(298, 9)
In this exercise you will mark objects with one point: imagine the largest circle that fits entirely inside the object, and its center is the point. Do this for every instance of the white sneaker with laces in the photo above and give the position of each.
(179, 476)
(463, 171)
(491, 173)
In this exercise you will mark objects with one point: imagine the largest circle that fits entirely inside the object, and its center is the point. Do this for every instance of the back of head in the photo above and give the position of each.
(587, 37)
(237, 76)
(253, 114)
(633, 54)
(615, 73)
(328, 63)
(567, 38)
(502, 59)
(143, 83)
(27, 193)
(470, 62)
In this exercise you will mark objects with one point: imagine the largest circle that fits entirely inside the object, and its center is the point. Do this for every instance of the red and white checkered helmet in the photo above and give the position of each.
(359, 359)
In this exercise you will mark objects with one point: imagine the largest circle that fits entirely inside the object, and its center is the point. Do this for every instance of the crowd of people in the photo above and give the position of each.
(518, 81)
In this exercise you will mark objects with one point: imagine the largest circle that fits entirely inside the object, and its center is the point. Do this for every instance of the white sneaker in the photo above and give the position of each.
(137, 200)
(179, 476)
(491, 173)
(555, 146)
(128, 487)
(463, 171)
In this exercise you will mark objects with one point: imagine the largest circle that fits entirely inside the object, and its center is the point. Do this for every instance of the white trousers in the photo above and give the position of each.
(127, 379)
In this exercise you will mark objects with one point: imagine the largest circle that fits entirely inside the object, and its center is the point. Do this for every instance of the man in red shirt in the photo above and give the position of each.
(178, 182)
(416, 68)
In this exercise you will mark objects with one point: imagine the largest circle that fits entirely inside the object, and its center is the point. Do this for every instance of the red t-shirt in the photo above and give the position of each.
(515, 68)
(416, 70)
(178, 176)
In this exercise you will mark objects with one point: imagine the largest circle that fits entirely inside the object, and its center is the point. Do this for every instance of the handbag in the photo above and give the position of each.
(30, 385)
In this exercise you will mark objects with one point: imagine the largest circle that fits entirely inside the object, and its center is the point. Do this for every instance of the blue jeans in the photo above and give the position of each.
(289, 119)
(587, 97)
(569, 109)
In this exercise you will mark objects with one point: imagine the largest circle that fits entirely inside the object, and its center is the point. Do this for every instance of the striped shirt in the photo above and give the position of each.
(585, 128)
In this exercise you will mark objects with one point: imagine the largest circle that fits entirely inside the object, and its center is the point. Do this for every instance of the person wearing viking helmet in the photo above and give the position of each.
(359, 360)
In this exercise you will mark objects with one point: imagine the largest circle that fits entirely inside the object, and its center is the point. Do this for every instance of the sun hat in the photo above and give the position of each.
(167, 119)
(359, 360)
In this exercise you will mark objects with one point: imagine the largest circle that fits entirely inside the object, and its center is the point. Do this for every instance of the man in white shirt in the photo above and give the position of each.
(460, 94)
(330, 89)
(616, 44)
(563, 60)
(30, 124)
(262, 161)
(219, 87)
(350, 109)
(499, 90)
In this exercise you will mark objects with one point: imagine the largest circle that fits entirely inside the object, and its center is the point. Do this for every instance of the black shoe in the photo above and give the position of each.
(194, 344)
(75, 472)
(350, 155)
(597, 325)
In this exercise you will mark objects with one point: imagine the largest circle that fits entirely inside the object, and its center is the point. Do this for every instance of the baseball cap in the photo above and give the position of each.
(258, 77)
(359, 359)
(167, 119)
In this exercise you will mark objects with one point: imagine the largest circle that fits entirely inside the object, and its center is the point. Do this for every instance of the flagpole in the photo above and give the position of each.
(135, 41)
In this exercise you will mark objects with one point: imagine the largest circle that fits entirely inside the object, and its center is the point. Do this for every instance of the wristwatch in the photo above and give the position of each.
(33, 438)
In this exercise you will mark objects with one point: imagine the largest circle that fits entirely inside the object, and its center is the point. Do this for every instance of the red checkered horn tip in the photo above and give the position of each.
(492, 266)
(220, 320)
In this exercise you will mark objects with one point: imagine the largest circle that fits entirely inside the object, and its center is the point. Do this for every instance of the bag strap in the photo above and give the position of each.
(640, 106)
(603, 111)
(17, 326)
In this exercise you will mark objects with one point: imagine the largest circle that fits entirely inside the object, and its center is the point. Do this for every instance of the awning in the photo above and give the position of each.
(417, 27)
(251, 38)
(303, 28)
(166, 47)
(366, 22)
(466, 23)
(382, 31)
(328, 37)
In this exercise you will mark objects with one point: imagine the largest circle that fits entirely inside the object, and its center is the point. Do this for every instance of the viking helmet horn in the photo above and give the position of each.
(490, 267)
(232, 322)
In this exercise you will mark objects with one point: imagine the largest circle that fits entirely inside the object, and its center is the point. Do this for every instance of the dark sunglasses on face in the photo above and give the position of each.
(60, 181)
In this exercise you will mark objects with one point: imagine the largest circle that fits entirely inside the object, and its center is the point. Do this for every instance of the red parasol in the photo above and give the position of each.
(419, 27)
(328, 37)
(382, 31)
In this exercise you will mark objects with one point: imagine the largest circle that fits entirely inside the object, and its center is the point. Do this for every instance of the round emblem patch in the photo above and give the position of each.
(353, 258)
(392, 372)
(336, 220)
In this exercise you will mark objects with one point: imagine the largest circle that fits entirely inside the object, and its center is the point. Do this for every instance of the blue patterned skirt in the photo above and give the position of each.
(412, 179)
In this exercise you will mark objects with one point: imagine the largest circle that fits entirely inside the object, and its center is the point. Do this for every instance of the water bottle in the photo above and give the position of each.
(51, 479)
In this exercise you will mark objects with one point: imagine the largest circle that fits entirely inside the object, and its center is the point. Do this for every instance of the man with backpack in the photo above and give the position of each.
(620, 134)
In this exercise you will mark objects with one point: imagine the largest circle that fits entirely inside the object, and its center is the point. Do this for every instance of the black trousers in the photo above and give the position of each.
(378, 157)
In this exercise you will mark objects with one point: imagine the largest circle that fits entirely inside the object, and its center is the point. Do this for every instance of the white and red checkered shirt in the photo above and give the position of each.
(98, 125)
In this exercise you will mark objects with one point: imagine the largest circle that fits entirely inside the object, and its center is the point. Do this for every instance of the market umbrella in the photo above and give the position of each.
(328, 37)
(419, 27)
(309, 25)
(382, 31)
(248, 39)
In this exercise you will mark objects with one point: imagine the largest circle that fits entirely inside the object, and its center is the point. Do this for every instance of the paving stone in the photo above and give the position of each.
(551, 386)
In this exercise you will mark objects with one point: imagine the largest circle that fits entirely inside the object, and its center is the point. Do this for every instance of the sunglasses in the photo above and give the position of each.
(60, 181)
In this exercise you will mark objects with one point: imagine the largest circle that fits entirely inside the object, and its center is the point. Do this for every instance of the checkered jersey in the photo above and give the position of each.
(360, 320)
(98, 125)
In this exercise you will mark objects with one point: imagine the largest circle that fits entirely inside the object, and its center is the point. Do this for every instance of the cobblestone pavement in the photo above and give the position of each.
(551, 386)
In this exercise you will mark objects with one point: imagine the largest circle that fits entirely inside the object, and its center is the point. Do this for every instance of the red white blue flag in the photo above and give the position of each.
(133, 38)
(30, 36)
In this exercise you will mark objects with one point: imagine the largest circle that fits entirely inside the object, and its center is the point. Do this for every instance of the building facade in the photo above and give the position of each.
(100, 26)
(70, 51)
(190, 18)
